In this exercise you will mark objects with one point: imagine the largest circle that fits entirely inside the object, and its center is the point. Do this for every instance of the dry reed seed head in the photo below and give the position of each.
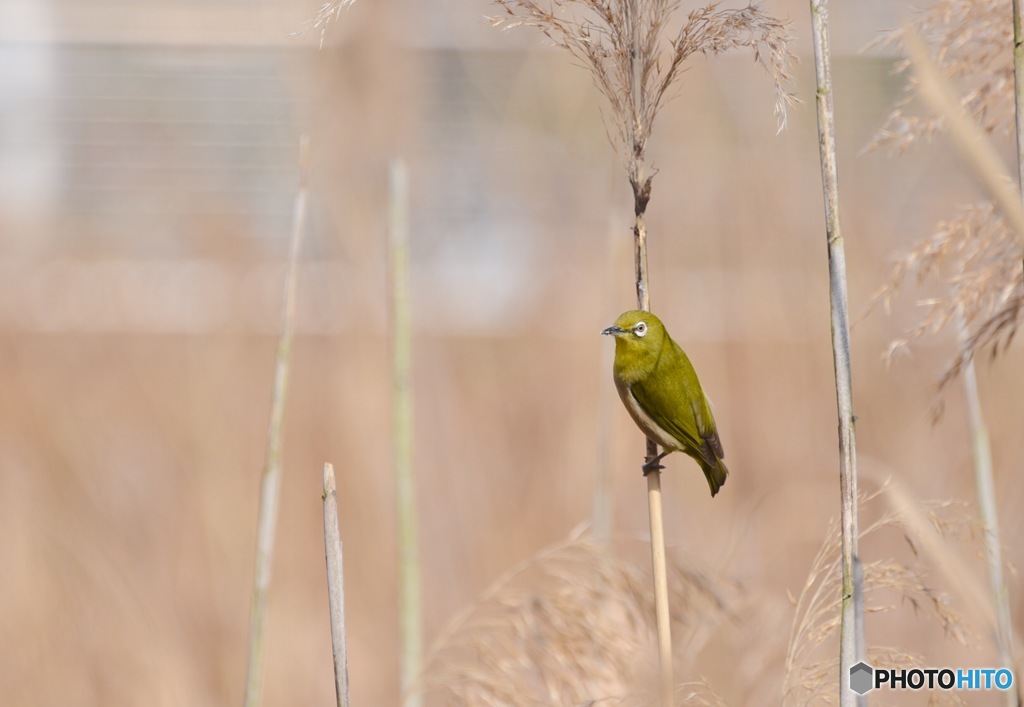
(598, 33)
(812, 678)
(698, 693)
(973, 44)
(976, 260)
(570, 626)
(901, 659)
(328, 12)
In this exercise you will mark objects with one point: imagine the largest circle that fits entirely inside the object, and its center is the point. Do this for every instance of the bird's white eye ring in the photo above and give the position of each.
(640, 329)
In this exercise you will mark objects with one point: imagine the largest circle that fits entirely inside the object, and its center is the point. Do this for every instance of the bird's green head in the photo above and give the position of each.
(639, 337)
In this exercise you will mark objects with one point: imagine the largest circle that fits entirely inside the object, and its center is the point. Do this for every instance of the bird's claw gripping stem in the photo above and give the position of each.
(652, 464)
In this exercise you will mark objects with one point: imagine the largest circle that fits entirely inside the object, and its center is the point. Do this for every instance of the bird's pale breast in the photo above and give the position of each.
(644, 421)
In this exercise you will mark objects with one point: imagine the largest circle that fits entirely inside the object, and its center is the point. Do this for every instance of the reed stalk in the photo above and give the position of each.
(981, 461)
(1018, 90)
(852, 591)
(335, 587)
(410, 611)
(271, 480)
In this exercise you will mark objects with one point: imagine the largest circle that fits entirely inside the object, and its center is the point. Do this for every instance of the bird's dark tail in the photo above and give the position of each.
(715, 474)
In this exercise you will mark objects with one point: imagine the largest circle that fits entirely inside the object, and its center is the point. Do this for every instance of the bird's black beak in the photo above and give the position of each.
(614, 330)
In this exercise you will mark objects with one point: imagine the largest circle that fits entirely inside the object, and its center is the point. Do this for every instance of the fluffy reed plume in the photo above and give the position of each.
(327, 13)
(597, 33)
(573, 625)
(977, 256)
(977, 261)
(811, 677)
(974, 255)
(973, 43)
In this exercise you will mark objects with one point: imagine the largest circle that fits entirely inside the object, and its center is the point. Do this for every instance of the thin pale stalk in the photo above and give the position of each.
(858, 609)
(335, 586)
(654, 496)
(601, 514)
(1018, 90)
(852, 593)
(410, 611)
(658, 563)
(271, 481)
(1018, 93)
(981, 456)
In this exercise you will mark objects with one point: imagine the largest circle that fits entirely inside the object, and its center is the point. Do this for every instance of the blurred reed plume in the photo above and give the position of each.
(327, 13)
(976, 260)
(976, 256)
(810, 677)
(574, 625)
(972, 42)
(598, 33)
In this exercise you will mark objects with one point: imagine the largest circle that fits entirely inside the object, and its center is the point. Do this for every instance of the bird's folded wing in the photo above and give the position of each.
(706, 428)
(679, 419)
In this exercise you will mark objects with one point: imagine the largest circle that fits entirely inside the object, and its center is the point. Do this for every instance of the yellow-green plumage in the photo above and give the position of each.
(660, 389)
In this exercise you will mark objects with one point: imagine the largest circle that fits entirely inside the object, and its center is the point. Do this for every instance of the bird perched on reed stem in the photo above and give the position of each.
(660, 389)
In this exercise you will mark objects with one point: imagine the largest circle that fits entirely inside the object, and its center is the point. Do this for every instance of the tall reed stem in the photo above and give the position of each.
(603, 511)
(271, 484)
(981, 458)
(335, 587)
(998, 584)
(1018, 102)
(852, 593)
(654, 504)
(410, 612)
(1018, 89)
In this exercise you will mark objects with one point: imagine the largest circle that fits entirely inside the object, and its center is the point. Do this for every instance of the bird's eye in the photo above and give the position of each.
(640, 329)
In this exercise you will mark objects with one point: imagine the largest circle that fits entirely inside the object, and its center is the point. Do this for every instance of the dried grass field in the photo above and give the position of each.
(144, 214)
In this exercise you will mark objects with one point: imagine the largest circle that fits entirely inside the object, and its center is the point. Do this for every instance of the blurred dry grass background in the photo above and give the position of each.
(147, 166)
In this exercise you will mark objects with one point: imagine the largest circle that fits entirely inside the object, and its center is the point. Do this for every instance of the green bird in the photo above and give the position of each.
(659, 388)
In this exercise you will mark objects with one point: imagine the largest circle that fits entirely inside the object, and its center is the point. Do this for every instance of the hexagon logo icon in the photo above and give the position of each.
(861, 678)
